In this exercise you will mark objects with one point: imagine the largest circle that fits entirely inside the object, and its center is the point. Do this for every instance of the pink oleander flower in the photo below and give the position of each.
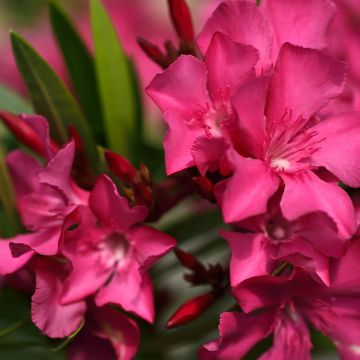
(290, 147)
(268, 26)
(283, 305)
(107, 333)
(111, 252)
(46, 199)
(307, 242)
(194, 97)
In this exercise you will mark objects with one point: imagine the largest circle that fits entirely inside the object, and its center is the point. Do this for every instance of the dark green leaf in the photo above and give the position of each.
(80, 65)
(50, 96)
(117, 89)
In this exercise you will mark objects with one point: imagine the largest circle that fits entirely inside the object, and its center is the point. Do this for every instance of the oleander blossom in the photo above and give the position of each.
(272, 241)
(47, 199)
(194, 97)
(283, 306)
(298, 153)
(111, 252)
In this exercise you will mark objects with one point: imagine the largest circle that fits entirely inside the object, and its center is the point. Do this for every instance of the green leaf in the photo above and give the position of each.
(9, 225)
(81, 67)
(50, 96)
(11, 101)
(115, 79)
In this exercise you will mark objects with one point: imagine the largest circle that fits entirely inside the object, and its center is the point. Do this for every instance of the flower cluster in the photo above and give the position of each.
(257, 107)
(263, 123)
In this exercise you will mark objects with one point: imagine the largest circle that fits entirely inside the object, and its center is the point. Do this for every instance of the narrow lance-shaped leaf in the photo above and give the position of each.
(50, 96)
(81, 67)
(115, 83)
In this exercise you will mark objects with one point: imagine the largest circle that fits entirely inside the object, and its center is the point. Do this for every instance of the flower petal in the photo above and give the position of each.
(247, 191)
(250, 256)
(113, 209)
(229, 65)
(339, 150)
(150, 245)
(309, 194)
(52, 318)
(249, 105)
(304, 81)
(132, 291)
(243, 23)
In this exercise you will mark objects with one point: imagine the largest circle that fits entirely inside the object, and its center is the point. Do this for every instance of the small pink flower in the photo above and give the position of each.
(110, 254)
(308, 242)
(46, 197)
(283, 305)
(194, 97)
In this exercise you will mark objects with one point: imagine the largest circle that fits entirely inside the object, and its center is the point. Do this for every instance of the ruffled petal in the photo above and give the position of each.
(310, 194)
(247, 191)
(339, 147)
(113, 209)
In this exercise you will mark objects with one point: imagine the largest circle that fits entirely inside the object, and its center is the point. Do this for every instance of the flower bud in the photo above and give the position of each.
(23, 132)
(181, 18)
(153, 52)
(121, 167)
(190, 310)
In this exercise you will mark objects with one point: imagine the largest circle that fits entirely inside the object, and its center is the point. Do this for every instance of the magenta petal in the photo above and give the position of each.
(261, 292)
(243, 23)
(208, 152)
(131, 290)
(113, 209)
(249, 105)
(310, 194)
(52, 318)
(229, 65)
(345, 271)
(175, 90)
(58, 171)
(250, 256)
(304, 81)
(291, 340)
(299, 22)
(238, 334)
(24, 170)
(120, 330)
(150, 245)
(339, 149)
(9, 264)
(178, 154)
(248, 190)
(321, 232)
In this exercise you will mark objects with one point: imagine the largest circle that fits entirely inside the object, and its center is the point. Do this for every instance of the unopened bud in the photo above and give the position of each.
(188, 260)
(23, 132)
(181, 18)
(204, 186)
(190, 310)
(121, 167)
(153, 52)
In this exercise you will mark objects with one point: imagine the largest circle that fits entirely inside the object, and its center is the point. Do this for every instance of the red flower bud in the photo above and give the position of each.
(23, 132)
(144, 195)
(181, 18)
(153, 52)
(188, 260)
(190, 310)
(121, 167)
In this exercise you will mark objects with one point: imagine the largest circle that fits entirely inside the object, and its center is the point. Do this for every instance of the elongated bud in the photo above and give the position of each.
(23, 132)
(153, 52)
(181, 18)
(188, 260)
(143, 195)
(190, 310)
(121, 167)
